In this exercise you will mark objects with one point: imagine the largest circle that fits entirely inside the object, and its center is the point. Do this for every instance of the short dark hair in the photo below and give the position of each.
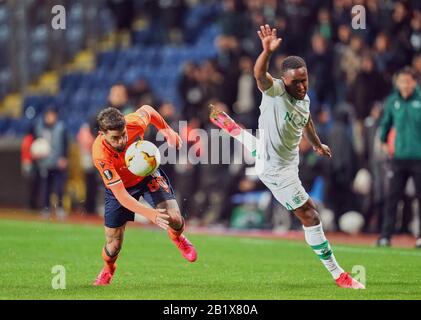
(111, 119)
(292, 62)
(407, 70)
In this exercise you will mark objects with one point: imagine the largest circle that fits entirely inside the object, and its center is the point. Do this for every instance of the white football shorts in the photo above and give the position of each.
(285, 186)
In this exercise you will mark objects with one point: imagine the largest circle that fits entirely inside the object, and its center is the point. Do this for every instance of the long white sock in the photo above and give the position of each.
(315, 237)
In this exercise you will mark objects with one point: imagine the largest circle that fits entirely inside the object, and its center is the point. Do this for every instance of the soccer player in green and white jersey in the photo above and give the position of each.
(284, 118)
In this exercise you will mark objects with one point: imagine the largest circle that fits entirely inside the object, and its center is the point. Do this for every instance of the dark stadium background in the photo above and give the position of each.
(180, 55)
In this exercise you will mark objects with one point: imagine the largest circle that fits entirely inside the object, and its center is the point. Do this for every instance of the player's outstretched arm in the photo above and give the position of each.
(311, 135)
(159, 217)
(152, 116)
(270, 43)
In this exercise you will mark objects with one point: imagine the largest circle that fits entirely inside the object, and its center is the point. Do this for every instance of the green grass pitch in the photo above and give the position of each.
(150, 267)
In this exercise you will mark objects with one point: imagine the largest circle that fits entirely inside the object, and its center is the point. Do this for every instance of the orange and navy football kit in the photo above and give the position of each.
(111, 164)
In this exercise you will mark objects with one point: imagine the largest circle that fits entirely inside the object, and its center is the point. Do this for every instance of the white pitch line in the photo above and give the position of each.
(337, 248)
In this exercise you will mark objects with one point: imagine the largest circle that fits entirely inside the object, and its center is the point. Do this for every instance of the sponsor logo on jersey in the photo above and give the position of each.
(296, 119)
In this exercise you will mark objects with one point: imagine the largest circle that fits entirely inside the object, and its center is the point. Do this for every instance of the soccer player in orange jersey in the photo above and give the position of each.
(123, 189)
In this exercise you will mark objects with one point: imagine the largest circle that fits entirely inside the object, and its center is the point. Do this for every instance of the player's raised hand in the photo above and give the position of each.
(323, 150)
(270, 41)
(162, 219)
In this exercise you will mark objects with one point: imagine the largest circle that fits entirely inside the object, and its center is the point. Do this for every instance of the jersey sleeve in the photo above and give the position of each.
(139, 119)
(277, 89)
(107, 171)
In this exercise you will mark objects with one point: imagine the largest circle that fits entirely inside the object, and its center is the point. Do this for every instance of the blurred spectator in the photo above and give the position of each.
(399, 27)
(233, 19)
(123, 11)
(375, 17)
(383, 54)
(167, 19)
(246, 105)
(415, 37)
(30, 170)
(339, 49)
(342, 166)
(229, 50)
(322, 122)
(190, 90)
(198, 85)
(85, 139)
(416, 65)
(324, 24)
(320, 63)
(53, 166)
(369, 86)
(250, 44)
(351, 59)
(141, 94)
(403, 112)
(118, 98)
(189, 195)
(297, 13)
(342, 11)
(373, 204)
(211, 81)
(214, 192)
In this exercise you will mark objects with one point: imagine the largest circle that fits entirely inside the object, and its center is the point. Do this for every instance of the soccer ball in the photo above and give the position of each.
(142, 158)
(351, 222)
(40, 148)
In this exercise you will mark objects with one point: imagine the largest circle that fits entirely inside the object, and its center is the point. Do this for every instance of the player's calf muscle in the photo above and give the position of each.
(113, 245)
(307, 215)
(112, 249)
(114, 240)
(176, 220)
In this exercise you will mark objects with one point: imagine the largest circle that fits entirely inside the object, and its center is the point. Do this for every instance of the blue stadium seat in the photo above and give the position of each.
(107, 58)
(4, 123)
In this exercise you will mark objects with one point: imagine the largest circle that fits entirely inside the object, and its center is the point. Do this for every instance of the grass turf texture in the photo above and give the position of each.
(150, 267)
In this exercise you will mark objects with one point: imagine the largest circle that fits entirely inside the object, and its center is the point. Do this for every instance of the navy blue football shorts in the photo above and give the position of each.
(154, 189)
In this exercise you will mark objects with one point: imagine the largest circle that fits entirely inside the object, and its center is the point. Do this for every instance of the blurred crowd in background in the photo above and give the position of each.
(351, 72)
